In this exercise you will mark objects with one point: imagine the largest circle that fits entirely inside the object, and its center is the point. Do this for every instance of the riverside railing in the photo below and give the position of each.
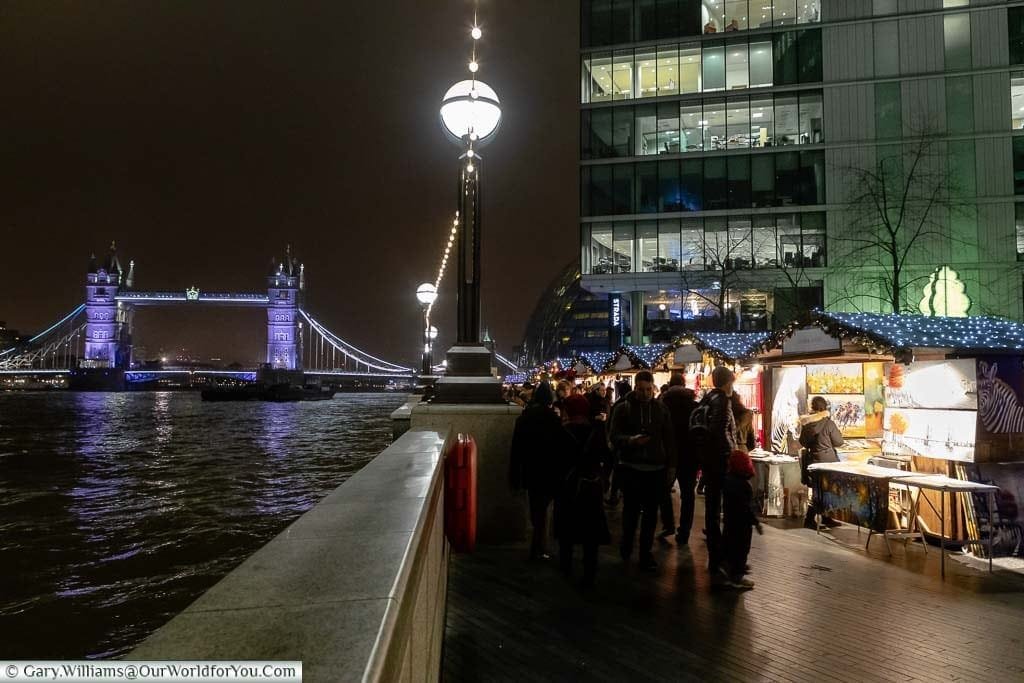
(355, 589)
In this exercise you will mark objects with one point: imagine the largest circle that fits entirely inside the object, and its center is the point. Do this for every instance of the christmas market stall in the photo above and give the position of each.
(912, 395)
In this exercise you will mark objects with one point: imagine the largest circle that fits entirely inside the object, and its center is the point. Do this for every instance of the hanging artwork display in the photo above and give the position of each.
(789, 402)
(847, 378)
(874, 399)
(847, 412)
(1000, 409)
(941, 384)
(943, 434)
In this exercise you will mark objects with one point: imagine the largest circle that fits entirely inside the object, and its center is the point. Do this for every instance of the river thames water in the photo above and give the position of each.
(117, 510)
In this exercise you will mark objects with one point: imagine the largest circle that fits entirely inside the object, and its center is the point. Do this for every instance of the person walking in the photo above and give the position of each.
(738, 499)
(720, 443)
(819, 436)
(680, 402)
(641, 431)
(579, 514)
(538, 462)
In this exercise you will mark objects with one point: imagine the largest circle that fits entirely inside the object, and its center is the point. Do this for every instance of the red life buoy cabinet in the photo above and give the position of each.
(460, 494)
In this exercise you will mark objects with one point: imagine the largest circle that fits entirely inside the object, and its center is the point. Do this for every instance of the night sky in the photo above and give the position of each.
(204, 136)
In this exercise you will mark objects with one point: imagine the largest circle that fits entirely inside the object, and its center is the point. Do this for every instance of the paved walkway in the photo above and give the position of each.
(822, 610)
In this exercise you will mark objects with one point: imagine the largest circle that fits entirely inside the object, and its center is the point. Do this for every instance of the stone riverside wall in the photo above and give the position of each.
(355, 589)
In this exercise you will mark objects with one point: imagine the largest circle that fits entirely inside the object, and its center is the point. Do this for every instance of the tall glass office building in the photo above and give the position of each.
(734, 156)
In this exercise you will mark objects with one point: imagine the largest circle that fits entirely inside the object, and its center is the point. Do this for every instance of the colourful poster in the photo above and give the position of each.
(847, 378)
(789, 402)
(940, 384)
(847, 412)
(942, 434)
(874, 399)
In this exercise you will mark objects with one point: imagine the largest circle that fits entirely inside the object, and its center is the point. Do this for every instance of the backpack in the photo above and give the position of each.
(700, 424)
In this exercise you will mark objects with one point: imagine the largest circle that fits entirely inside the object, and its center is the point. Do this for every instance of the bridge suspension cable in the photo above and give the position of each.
(58, 347)
(327, 351)
(506, 362)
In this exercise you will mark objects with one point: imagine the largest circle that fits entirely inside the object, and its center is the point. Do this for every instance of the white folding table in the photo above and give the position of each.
(944, 485)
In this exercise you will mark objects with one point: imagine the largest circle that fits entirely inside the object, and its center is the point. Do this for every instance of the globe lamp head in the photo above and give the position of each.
(426, 293)
(470, 111)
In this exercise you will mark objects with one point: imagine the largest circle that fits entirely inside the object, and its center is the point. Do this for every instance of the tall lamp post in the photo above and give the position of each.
(426, 294)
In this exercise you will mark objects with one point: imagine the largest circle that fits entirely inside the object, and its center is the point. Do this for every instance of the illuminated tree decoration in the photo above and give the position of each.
(945, 294)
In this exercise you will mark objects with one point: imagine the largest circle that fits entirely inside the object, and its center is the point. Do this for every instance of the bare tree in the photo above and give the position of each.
(898, 206)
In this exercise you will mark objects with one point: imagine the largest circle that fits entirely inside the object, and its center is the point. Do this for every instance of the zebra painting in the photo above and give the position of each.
(998, 405)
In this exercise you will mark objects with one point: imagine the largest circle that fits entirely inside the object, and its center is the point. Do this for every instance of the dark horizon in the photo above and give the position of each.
(204, 139)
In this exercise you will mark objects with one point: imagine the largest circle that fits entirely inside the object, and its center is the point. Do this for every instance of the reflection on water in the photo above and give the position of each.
(118, 510)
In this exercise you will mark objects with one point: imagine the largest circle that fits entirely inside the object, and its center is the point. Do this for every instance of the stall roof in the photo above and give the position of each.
(596, 360)
(731, 346)
(890, 332)
(646, 356)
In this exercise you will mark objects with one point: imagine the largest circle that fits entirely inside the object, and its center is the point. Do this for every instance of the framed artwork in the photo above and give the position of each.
(847, 378)
(848, 414)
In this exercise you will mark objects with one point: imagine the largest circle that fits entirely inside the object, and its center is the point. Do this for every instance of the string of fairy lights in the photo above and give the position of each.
(475, 33)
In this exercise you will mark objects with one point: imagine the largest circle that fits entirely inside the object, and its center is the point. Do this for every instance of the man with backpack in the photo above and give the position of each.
(680, 402)
(713, 431)
(641, 433)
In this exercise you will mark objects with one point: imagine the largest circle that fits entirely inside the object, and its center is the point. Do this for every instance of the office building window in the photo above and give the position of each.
(1015, 15)
(646, 129)
(622, 131)
(599, 248)
(691, 184)
(613, 22)
(888, 111)
(690, 73)
(884, 7)
(788, 58)
(704, 184)
(647, 187)
(737, 74)
(691, 128)
(1018, 165)
(1020, 231)
(887, 48)
(647, 245)
(623, 245)
(669, 251)
(668, 128)
(714, 125)
(691, 244)
(960, 104)
(811, 118)
(737, 123)
(957, 36)
(1017, 100)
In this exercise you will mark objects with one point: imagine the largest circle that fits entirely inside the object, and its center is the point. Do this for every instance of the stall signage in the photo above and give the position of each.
(810, 340)
(614, 321)
(687, 353)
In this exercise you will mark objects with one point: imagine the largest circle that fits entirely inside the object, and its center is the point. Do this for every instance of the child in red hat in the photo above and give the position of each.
(737, 503)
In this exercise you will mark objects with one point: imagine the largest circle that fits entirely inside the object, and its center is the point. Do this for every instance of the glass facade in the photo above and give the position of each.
(612, 22)
(785, 58)
(695, 244)
(704, 184)
(754, 121)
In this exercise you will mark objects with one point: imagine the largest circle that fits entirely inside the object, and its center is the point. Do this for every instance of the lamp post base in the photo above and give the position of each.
(469, 378)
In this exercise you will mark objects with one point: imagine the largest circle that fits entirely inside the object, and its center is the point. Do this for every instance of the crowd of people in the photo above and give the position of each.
(577, 447)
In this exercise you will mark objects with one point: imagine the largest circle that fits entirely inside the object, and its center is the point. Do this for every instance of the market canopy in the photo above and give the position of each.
(595, 361)
(730, 346)
(889, 332)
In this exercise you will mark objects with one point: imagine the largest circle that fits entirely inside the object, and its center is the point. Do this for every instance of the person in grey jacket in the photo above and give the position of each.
(820, 436)
(642, 435)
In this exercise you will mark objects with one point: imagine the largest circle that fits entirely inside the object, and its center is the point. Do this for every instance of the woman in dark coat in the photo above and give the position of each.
(538, 461)
(820, 436)
(579, 512)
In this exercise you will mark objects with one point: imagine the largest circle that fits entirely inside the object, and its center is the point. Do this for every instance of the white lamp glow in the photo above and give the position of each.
(470, 109)
(432, 333)
(426, 293)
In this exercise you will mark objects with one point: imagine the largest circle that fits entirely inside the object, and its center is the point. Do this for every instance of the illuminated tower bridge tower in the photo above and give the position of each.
(105, 319)
(285, 285)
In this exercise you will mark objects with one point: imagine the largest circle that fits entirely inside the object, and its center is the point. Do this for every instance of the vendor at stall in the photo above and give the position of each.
(820, 437)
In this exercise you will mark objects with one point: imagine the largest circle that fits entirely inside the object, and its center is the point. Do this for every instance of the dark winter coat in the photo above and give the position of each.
(820, 435)
(579, 508)
(722, 437)
(632, 417)
(680, 402)
(739, 520)
(538, 459)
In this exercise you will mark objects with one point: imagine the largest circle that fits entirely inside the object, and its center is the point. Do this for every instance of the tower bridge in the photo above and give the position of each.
(97, 336)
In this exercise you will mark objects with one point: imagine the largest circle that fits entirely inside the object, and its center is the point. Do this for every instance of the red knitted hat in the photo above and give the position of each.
(576, 407)
(741, 464)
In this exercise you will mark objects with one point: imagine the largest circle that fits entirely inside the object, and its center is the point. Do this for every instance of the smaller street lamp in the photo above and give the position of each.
(426, 294)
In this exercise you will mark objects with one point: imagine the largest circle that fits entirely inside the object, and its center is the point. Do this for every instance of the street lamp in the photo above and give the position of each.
(431, 336)
(426, 294)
